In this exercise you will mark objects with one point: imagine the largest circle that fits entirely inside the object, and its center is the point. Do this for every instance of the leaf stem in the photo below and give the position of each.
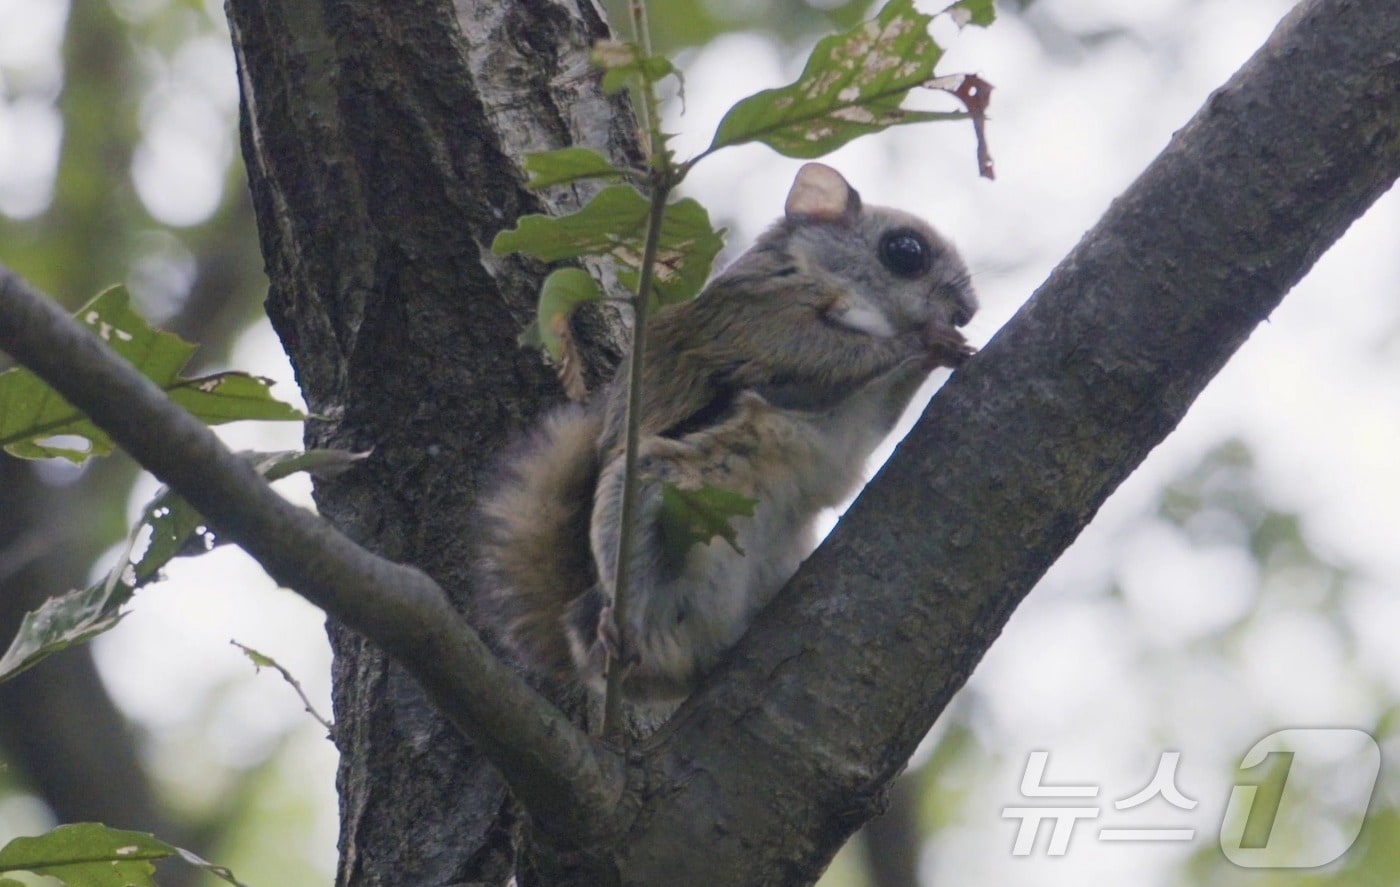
(612, 707)
(260, 660)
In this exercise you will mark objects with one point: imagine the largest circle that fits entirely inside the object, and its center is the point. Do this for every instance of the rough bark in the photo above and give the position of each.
(382, 141)
(379, 170)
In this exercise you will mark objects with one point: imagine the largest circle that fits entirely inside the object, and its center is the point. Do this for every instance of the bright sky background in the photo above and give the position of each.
(1097, 683)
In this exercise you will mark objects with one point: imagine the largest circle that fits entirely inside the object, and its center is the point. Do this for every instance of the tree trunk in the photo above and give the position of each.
(382, 142)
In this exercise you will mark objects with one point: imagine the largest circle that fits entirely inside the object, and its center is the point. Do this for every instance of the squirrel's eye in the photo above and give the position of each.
(905, 252)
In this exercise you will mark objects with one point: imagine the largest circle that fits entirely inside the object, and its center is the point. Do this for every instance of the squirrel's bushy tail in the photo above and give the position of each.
(535, 556)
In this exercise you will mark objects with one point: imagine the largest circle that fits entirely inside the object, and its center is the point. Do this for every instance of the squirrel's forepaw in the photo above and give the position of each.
(610, 638)
(946, 346)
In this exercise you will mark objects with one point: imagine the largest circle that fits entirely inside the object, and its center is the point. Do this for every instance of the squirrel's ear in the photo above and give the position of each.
(820, 194)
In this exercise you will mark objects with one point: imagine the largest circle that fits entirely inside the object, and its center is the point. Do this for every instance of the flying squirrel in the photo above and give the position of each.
(776, 383)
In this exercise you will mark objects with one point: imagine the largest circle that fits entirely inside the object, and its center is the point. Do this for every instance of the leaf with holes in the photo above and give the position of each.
(972, 12)
(695, 517)
(975, 94)
(35, 420)
(63, 621)
(175, 530)
(854, 84)
(684, 254)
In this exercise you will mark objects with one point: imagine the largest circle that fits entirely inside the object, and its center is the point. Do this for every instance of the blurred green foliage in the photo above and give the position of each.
(121, 77)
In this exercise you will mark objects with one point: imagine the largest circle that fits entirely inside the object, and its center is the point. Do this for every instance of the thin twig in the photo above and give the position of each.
(662, 180)
(612, 707)
(646, 108)
(260, 659)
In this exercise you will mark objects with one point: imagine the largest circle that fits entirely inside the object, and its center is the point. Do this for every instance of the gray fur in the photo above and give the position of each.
(777, 382)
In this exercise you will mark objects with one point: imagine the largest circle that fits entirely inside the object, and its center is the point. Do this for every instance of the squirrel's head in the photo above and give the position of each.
(896, 264)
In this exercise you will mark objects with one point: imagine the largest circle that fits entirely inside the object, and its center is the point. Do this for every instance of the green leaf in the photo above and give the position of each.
(614, 223)
(620, 61)
(62, 621)
(33, 415)
(229, 397)
(684, 254)
(176, 530)
(80, 615)
(972, 12)
(259, 660)
(567, 165)
(221, 872)
(90, 854)
(694, 517)
(174, 527)
(563, 289)
(854, 84)
(615, 216)
(320, 463)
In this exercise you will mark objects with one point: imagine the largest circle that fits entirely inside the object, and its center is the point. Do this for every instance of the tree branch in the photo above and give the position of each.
(556, 771)
(1016, 454)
